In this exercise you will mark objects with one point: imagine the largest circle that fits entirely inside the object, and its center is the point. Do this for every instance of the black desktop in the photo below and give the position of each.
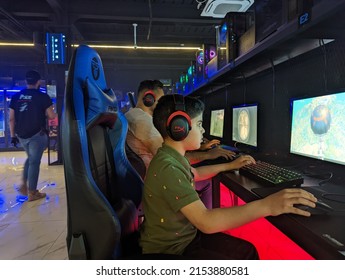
(269, 16)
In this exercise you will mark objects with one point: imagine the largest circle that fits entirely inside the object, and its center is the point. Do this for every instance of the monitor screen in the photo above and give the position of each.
(51, 91)
(244, 124)
(317, 127)
(217, 123)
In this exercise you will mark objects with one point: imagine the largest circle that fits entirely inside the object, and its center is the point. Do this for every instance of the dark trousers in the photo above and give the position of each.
(204, 189)
(220, 246)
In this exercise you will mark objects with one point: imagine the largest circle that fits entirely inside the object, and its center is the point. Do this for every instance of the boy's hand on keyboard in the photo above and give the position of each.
(243, 160)
(283, 202)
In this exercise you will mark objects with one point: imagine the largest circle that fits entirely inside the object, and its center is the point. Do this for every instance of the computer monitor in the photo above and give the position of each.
(317, 127)
(217, 123)
(51, 91)
(244, 124)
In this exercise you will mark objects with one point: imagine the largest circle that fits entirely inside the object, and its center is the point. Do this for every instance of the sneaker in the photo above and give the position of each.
(36, 195)
(23, 190)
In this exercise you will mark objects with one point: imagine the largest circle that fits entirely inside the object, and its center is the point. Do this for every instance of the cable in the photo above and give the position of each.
(200, 2)
(150, 22)
(320, 176)
(328, 196)
(323, 48)
(245, 87)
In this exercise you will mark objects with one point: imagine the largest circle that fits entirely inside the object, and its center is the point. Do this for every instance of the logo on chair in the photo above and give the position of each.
(95, 69)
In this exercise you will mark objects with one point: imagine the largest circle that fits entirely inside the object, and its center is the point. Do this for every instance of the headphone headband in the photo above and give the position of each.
(179, 113)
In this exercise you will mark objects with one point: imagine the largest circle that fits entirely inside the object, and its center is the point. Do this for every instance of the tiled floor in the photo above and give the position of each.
(32, 230)
(37, 230)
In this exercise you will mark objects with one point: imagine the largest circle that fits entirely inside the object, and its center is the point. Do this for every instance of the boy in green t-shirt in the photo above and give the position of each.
(176, 221)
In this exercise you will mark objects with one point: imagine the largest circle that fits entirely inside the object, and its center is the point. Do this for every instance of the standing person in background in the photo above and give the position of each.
(144, 139)
(28, 112)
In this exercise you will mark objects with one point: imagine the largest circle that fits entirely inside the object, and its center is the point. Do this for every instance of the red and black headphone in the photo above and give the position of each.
(149, 98)
(179, 123)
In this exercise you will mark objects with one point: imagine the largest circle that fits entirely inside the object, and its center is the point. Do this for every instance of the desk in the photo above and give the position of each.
(318, 235)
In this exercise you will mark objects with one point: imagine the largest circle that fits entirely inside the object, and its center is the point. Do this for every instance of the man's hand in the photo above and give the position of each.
(14, 141)
(219, 152)
(209, 144)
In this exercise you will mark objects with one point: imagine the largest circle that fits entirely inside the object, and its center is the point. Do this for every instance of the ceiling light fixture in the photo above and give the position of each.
(141, 47)
(17, 44)
(219, 8)
(135, 34)
(111, 46)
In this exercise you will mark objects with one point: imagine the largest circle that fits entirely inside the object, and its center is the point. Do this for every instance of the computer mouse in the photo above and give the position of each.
(320, 209)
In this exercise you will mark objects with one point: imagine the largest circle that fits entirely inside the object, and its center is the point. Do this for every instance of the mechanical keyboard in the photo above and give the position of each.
(271, 175)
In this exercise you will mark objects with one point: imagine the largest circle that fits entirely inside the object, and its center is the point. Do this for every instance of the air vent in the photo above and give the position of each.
(219, 8)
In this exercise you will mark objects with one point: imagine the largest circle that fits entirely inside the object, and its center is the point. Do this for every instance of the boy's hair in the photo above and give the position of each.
(149, 85)
(167, 105)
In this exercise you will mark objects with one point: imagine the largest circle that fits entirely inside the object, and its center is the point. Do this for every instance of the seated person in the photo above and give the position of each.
(176, 221)
(144, 139)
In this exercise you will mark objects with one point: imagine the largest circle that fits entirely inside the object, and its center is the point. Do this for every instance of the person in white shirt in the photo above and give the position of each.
(144, 139)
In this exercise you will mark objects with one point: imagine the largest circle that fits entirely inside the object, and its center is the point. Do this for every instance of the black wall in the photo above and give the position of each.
(315, 73)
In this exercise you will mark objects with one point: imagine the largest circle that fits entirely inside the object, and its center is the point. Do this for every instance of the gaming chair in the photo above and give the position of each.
(103, 189)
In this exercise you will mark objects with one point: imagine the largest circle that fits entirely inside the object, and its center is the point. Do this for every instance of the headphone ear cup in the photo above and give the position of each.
(149, 99)
(178, 126)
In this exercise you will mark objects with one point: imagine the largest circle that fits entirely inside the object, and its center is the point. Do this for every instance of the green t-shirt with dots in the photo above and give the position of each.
(169, 186)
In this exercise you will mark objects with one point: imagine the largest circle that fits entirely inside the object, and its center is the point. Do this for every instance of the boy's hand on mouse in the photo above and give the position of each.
(283, 202)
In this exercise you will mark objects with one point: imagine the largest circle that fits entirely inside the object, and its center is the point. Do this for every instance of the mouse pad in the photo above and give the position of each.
(263, 192)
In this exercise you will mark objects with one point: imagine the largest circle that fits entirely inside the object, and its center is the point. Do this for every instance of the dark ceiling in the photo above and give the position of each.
(159, 23)
(110, 22)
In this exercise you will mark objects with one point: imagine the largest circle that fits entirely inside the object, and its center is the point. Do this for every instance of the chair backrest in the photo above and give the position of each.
(103, 189)
(131, 98)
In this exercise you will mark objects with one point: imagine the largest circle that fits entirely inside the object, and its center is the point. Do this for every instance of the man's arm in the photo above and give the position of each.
(198, 156)
(153, 144)
(145, 131)
(12, 123)
(50, 113)
(205, 172)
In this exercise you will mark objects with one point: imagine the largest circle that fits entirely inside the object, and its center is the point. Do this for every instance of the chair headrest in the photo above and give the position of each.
(102, 106)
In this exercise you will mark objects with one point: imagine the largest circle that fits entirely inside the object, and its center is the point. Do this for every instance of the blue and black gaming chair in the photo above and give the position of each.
(103, 189)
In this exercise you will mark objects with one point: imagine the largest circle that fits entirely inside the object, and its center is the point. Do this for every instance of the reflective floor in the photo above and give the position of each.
(32, 230)
(37, 230)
